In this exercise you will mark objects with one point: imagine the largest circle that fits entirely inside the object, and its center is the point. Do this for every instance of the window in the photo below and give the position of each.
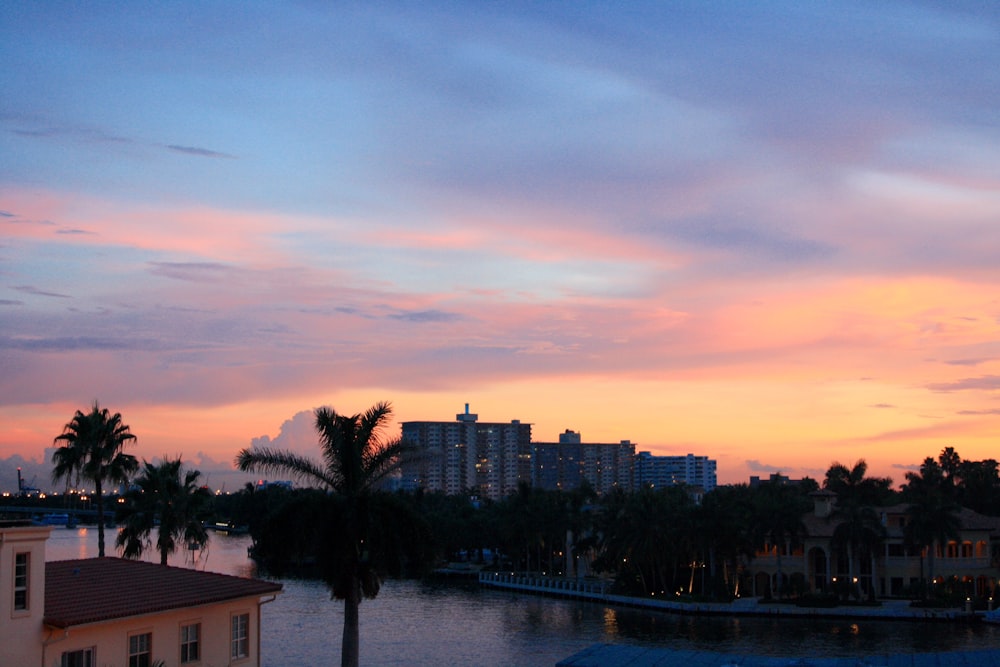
(140, 650)
(240, 636)
(190, 647)
(83, 657)
(21, 563)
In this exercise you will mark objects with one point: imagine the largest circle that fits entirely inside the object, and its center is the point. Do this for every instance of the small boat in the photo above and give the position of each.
(992, 616)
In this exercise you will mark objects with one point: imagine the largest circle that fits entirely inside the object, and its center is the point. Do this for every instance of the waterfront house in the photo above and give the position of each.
(112, 611)
(816, 565)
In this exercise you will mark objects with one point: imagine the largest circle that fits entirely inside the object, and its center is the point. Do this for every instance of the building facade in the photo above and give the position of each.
(484, 458)
(567, 464)
(110, 611)
(663, 471)
(972, 559)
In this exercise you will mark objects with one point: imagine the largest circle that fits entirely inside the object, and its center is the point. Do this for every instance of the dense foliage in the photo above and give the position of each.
(652, 541)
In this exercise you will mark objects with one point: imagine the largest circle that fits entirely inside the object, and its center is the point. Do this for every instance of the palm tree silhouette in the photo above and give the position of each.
(356, 455)
(93, 452)
(168, 499)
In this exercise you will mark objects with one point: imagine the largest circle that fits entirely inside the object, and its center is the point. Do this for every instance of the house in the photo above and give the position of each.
(112, 611)
(973, 559)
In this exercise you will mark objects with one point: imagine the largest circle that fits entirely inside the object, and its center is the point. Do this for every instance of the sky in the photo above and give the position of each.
(767, 233)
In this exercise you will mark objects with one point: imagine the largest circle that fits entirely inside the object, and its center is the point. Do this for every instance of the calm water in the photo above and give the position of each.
(410, 623)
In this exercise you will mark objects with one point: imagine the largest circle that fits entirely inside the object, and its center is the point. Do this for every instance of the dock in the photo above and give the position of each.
(599, 590)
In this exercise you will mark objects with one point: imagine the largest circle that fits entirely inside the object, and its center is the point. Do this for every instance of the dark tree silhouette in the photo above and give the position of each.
(93, 451)
(361, 544)
(168, 500)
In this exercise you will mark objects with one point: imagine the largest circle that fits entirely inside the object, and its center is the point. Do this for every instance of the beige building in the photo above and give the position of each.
(973, 559)
(111, 611)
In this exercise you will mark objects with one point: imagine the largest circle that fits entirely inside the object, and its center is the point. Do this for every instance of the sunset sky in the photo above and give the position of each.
(764, 232)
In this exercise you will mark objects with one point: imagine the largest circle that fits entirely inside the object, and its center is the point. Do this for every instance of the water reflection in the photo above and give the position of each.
(610, 623)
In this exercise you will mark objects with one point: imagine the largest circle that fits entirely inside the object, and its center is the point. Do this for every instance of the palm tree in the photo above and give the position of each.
(777, 521)
(860, 531)
(168, 499)
(356, 456)
(93, 451)
(932, 515)
(722, 520)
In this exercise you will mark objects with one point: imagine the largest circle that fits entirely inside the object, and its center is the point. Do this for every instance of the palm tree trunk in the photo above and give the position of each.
(350, 645)
(930, 568)
(851, 579)
(100, 516)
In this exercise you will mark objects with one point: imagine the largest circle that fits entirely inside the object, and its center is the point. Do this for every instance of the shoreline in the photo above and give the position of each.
(597, 591)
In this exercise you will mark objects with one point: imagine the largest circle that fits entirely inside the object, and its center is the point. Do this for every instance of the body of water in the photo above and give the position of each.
(414, 623)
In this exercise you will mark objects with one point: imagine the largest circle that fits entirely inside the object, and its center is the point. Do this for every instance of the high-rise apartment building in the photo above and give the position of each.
(568, 463)
(489, 459)
(660, 471)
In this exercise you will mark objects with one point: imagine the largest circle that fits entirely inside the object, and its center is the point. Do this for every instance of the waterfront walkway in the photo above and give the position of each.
(596, 590)
(620, 655)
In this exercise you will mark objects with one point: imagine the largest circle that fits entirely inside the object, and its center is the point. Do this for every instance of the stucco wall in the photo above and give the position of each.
(111, 638)
(21, 631)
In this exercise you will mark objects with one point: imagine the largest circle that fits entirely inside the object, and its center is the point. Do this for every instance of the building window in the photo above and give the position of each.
(240, 636)
(190, 645)
(83, 657)
(140, 650)
(22, 562)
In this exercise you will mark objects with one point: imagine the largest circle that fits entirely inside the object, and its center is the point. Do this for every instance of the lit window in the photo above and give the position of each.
(81, 658)
(140, 650)
(21, 572)
(240, 636)
(190, 647)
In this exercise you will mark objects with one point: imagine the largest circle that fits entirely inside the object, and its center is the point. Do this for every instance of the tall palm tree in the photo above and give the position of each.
(860, 531)
(356, 455)
(93, 452)
(932, 514)
(168, 499)
(777, 521)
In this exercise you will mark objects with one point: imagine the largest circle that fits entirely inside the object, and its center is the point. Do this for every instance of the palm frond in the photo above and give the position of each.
(266, 461)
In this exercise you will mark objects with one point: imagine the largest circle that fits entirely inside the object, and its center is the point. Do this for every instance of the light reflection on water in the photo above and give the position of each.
(413, 623)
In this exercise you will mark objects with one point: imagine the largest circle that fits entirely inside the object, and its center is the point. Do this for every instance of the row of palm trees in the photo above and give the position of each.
(161, 497)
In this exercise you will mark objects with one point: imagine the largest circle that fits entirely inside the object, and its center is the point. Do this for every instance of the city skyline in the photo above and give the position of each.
(766, 234)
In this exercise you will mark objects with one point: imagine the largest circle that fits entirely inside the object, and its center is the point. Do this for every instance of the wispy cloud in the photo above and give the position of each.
(981, 383)
(191, 271)
(199, 152)
(968, 362)
(426, 316)
(35, 291)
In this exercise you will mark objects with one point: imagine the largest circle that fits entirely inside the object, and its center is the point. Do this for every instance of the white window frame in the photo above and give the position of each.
(87, 657)
(188, 643)
(142, 649)
(22, 581)
(239, 636)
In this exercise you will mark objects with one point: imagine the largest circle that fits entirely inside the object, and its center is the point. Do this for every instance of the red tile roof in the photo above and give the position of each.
(101, 589)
